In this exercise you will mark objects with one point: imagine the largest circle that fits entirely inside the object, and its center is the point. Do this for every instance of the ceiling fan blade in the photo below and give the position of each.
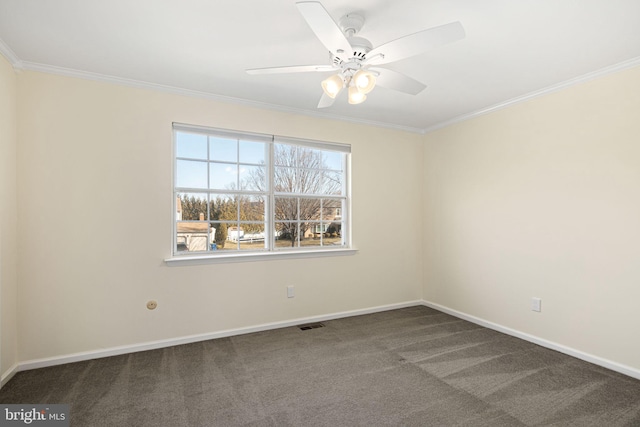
(416, 43)
(397, 81)
(324, 27)
(291, 69)
(325, 101)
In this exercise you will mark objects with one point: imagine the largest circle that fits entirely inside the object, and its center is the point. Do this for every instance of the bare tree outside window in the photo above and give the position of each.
(236, 191)
(302, 181)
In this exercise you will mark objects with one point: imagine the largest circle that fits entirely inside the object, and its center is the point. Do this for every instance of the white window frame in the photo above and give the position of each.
(271, 251)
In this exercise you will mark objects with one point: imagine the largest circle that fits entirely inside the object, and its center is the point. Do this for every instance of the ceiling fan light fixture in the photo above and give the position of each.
(355, 96)
(355, 60)
(333, 85)
(364, 81)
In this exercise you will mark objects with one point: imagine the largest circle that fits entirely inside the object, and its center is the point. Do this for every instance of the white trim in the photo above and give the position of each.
(50, 69)
(322, 145)
(152, 345)
(538, 93)
(605, 363)
(86, 75)
(227, 133)
(6, 376)
(115, 351)
(13, 59)
(256, 256)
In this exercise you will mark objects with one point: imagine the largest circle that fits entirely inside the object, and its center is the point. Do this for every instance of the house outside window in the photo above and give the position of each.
(244, 192)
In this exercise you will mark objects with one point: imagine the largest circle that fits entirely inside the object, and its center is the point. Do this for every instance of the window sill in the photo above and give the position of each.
(255, 256)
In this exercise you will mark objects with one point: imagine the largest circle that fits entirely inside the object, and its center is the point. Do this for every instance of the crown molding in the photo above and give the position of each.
(634, 62)
(68, 72)
(18, 64)
(10, 55)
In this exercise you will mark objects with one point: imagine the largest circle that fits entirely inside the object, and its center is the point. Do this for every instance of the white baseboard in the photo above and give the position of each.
(614, 366)
(6, 376)
(152, 345)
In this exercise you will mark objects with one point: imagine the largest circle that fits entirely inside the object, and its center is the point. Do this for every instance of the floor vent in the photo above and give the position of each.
(311, 326)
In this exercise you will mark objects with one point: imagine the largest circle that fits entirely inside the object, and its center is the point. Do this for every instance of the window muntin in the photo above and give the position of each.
(245, 192)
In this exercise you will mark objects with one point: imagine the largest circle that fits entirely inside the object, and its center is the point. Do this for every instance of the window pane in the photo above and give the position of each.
(252, 152)
(331, 183)
(310, 181)
(330, 209)
(223, 149)
(332, 160)
(188, 239)
(314, 234)
(286, 234)
(309, 158)
(224, 207)
(192, 236)
(284, 155)
(253, 237)
(191, 145)
(223, 176)
(191, 174)
(324, 234)
(191, 207)
(223, 235)
(286, 208)
(310, 209)
(284, 180)
(252, 208)
(252, 178)
(334, 233)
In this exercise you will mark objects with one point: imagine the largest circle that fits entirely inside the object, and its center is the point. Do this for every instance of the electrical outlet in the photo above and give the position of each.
(290, 291)
(536, 304)
(151, 305)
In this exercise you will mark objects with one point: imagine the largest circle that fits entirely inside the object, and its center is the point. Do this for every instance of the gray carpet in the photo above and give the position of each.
(408, 367)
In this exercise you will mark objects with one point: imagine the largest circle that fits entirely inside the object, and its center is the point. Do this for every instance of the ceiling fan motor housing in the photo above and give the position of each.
(360, 48)
(351, 24)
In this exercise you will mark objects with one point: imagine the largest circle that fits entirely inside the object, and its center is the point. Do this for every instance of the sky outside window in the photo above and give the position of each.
(225, 170)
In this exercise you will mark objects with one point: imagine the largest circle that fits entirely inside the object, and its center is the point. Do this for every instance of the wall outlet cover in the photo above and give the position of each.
(536, 304)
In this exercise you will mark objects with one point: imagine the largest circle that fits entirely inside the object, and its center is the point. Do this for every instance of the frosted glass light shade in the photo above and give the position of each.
(355, 96)
(332, 85)
(365, 81)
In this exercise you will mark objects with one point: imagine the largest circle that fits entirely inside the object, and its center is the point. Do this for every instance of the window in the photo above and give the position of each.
(241, 192)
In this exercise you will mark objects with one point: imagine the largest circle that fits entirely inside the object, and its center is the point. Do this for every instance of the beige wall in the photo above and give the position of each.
(539, 199)
(94, 166)
(8, 218)
(542, 199)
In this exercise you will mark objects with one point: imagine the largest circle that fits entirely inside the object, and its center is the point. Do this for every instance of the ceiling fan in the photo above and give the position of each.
(354, 59)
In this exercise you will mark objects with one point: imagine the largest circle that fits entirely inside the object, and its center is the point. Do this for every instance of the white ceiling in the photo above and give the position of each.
(513, 48)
